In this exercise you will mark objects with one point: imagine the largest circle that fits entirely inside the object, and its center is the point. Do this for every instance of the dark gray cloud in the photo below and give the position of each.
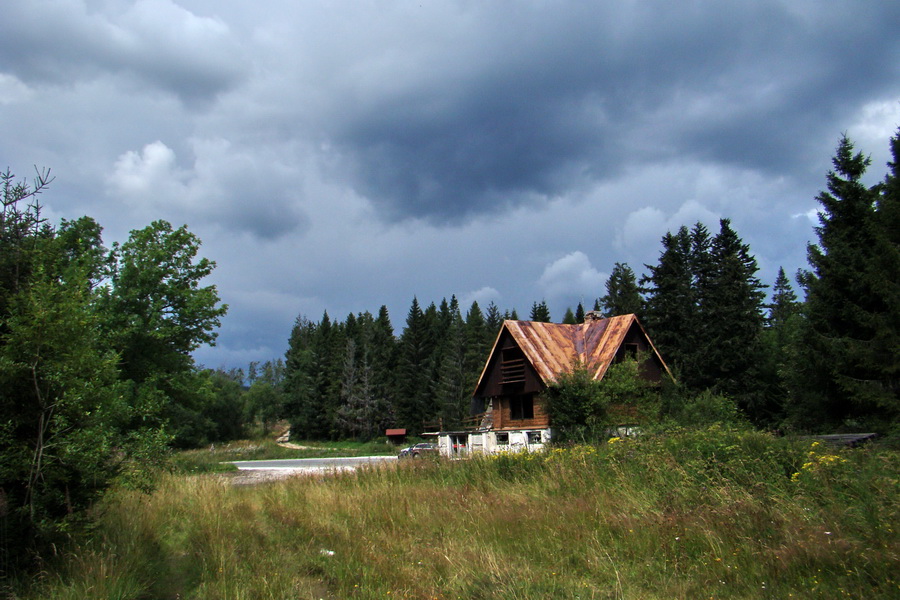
(155, 42)
(341, 156)
(563, 96)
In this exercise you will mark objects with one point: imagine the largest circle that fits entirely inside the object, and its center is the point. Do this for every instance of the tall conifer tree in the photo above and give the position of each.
(493, 319)
(732, 315)
(415, 366)
(670, 308)
(579, 312)
(540, 312)
(841, 293)
(623, 295)
(779, 340)
(452, 381)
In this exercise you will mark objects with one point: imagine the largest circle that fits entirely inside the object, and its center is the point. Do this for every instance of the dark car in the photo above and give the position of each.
(423, 449)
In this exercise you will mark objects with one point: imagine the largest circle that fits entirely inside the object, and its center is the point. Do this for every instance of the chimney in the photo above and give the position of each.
(593, 315)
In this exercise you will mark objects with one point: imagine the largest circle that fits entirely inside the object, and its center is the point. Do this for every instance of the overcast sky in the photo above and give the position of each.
(344, 155)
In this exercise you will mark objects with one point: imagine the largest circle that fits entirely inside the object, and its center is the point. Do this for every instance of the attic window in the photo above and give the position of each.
(521, 407)
(512, 366)
(628, 350)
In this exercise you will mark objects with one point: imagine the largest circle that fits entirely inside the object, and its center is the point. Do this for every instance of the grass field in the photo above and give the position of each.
(693, 514)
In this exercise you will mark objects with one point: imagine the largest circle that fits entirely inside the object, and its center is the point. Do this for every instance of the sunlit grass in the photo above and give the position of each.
(711, 514)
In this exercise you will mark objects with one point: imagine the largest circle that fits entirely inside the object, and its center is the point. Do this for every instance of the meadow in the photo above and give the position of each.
(712, 513)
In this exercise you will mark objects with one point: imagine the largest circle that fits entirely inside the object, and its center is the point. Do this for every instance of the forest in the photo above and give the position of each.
(98, 382)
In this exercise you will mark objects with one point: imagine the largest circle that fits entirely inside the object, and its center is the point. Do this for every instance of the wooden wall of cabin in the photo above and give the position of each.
(503, 414)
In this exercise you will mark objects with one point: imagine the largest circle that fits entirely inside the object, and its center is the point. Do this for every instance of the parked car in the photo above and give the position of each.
(423, 449)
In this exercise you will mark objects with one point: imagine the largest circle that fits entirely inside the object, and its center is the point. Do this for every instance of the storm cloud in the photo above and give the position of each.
(341, 156)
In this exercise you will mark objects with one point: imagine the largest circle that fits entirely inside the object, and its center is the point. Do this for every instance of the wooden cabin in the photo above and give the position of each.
(527, 357)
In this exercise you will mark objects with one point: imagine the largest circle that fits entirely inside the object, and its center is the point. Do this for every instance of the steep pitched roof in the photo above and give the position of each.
(553, 348)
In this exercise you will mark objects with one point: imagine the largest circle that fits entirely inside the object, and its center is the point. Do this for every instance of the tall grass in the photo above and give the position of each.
(698, 514)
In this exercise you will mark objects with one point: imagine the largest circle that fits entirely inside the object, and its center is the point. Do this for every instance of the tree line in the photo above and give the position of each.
(825, 362)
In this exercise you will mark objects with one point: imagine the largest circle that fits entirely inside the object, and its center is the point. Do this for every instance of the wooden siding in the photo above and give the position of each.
(503, 415)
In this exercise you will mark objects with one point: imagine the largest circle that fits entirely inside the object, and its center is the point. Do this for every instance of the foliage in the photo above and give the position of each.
(582, 408)
(264, 401)
(94, 354)
(156, 314)
(573, 401)
(700, 409)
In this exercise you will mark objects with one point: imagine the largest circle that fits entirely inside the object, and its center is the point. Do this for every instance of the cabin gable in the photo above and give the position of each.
(508, 371)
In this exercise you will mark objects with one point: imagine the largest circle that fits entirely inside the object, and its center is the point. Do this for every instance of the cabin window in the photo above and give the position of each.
(534, 437)
(627, 350)
(512, 366)
(503, 439)
(521, 407)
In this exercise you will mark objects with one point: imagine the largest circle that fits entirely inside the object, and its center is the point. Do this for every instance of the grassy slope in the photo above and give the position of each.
(712, 514)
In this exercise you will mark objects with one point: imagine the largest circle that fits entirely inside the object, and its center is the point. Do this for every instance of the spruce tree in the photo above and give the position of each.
(670, 309)
(452, 380)
(540, 312)
(784, 303)
(623, 295)
(479, 336)
(704, 311)
(569, 317)
(299, 402)
(357, 415)
(779, 340)
(493, 319)
(732, 314)
(479, 341)
(841, 378)
(383, 357)
(413, 402)
(882, 353)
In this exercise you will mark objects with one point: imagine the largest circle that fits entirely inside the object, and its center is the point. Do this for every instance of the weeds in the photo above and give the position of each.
(715, 513)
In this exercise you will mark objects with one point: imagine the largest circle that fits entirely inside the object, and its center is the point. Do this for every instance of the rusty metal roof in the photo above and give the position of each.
(553, 348)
